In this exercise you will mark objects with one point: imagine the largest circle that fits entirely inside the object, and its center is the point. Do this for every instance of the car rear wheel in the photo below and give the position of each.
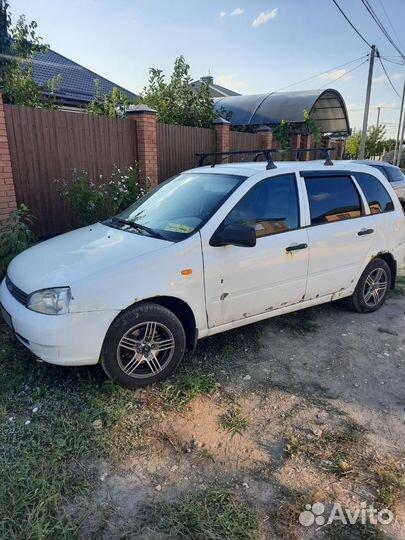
(143, 346)
(372, 288)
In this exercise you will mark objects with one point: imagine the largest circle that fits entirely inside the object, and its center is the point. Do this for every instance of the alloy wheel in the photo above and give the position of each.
(145, 349)
(375, 287)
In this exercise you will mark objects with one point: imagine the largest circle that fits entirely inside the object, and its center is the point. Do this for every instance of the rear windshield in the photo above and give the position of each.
(395, 174)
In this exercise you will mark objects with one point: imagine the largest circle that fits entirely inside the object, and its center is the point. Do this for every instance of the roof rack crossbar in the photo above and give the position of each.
(266, 152)
(325, 151)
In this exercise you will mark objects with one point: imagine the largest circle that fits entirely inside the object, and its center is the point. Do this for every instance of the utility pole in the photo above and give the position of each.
(400, 143)
(399, 127)
(378, 117)
(367, 104)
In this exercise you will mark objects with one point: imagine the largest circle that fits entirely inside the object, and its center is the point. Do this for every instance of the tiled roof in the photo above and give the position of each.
(78, 83)
(216, 91)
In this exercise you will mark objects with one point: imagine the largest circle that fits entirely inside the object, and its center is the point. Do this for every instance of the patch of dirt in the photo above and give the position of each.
(323, 394)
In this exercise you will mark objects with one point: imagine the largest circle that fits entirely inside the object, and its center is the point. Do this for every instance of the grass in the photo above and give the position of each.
(47, 417)
(188, 384)
(339, 452)
(214, 514)
(233, 422)
(400, 287)
(391, 485)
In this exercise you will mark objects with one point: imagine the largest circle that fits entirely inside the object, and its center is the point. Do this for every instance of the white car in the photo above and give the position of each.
(393, 174)
(212, 249)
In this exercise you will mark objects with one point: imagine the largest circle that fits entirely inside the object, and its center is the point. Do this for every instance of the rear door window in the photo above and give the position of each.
(332, 198)
(377, 196)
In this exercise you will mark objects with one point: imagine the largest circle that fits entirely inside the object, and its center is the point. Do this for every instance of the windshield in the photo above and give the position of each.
(180, 206)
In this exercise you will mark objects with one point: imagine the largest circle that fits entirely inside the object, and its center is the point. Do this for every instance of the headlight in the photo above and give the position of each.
(50, 301)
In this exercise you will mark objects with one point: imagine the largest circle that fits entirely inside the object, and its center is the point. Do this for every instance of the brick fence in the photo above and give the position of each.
(8, 201)
(38, 146)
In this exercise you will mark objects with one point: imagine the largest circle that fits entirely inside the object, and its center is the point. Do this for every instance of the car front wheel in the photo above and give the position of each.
(143, 345)
(372, 288)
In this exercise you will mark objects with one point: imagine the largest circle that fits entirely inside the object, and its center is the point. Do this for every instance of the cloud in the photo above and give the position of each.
(264, 17)
(354, 107)
(340, 74)
(236, 12)
(231, 81)
(222, 14)
(382, 78)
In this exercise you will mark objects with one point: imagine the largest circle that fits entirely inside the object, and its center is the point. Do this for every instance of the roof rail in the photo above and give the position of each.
(267, 153)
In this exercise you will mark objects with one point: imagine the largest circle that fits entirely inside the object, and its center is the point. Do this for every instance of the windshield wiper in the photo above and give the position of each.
(135, 225)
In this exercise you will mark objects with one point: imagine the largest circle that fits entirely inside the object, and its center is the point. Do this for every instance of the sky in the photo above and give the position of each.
(254, 46)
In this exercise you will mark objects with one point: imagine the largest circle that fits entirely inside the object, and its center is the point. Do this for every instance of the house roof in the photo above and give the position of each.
(78, 83)
(326, 107)
(216, 90)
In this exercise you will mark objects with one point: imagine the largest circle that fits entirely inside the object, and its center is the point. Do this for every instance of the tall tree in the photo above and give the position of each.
(176, 101)
(18, 46)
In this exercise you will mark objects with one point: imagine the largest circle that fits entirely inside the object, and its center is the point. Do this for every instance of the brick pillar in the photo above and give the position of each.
(146, 140)
(266, 137)
(8, 201)
(222, 129)
(307, 142)
(295, 145)
(340, 148)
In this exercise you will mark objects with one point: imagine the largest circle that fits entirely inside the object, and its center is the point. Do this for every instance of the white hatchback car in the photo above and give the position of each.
(213, 248)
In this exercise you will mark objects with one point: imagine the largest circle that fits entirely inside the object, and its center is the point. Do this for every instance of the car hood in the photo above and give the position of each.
(71, 257)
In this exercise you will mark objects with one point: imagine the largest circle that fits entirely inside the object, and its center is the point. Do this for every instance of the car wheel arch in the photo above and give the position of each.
(392, 263)
(181, 309)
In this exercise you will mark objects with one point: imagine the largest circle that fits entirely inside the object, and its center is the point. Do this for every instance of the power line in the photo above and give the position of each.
(393, 61)
(320, 74)
(343, 75)
(380, 25)
(389, 80)
(389, 21)
(351, 24)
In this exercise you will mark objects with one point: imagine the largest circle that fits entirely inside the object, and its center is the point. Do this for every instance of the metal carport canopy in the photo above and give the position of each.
(327, 108)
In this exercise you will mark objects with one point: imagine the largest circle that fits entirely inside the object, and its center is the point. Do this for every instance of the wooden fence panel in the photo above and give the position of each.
(177, 146)
(239, 141)
(47, 145)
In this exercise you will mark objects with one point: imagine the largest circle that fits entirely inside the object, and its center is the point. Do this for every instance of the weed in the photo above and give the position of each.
(187, 385)
(293, 445)
(233, 422)
(391, 484)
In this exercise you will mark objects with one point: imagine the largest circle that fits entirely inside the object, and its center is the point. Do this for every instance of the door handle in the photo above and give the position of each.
(363, 232)
(296, 247)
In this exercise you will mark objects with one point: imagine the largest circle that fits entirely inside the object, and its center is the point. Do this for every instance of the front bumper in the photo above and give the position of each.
(73, 339)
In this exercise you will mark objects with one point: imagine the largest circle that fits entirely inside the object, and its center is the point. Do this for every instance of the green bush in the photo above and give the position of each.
(15, 236)
(94, 200)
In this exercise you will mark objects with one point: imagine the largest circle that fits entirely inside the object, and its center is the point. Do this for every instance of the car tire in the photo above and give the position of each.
(373, 286)
(143, 345)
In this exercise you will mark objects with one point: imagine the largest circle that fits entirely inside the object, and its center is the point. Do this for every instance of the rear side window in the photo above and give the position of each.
(383, 170)
(377, 196)
(332, 198)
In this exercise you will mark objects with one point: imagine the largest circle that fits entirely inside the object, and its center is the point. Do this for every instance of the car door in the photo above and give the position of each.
(340, 232)
(241, 282)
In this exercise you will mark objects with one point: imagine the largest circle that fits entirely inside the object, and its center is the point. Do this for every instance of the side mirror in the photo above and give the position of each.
(235, 235)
